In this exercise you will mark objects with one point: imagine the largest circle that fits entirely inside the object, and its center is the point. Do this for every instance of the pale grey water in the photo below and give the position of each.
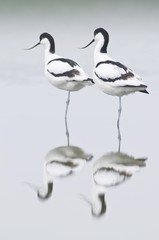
(32, 122)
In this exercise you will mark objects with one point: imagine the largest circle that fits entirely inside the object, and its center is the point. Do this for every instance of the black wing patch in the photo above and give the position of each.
(72, 73)
(68, 163)
(125, 76)
(109, 169)
(69, 61)
(122, 77)
(118, 64)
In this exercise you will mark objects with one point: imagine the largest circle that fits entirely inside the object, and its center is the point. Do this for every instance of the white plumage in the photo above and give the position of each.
(115, 79)
(110, 170)
(65, 74)
(65, 160)
(60, 162)
(115, 167)
(110, 76)
(61, 72)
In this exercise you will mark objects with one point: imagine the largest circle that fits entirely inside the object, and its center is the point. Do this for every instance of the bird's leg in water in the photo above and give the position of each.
(66, 111)
(118, 124)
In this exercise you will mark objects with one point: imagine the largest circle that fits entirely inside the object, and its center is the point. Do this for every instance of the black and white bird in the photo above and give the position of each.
(60, 162)
(61, 72)
(110, 76)
(110, 170)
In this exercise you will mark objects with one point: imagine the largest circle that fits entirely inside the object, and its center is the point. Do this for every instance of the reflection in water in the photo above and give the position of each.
(111, 170)
(62, 73)
(60, 162)
(118, 124)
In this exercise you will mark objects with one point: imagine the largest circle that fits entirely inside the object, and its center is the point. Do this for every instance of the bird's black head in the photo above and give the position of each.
(103, 209)
(48, 194)
(45, 38)
(102, 31)
(46, 35)
(98, 34)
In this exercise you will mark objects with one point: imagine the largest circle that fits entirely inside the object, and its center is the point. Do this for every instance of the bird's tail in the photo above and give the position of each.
(141, 161)
(144, 91)
(90, 81)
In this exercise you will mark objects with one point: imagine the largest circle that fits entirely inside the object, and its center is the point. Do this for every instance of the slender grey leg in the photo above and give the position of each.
(118, 124)
(66, 125)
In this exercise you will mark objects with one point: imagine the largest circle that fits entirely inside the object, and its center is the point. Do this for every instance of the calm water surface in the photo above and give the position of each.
(72, 202)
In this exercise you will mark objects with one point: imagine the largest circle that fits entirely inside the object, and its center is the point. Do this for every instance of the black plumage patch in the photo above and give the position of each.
(144, 91)
(118, 64)
(106, 170)
(89, 80)
(106, 39)
(103, 203)
(122, 77)
(69, 61)
(48, 194)
(68, 163)
(103, 209)
(125, 76)
(72, 73)
(50, 39)
(140, 86)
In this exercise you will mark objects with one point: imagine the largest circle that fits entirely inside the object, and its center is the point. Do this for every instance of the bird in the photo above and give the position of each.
(63, 73)
(60, 162)
(111, 76)
(110, 170)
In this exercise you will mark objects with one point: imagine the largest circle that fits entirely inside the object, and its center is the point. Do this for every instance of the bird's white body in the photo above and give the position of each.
(110, 170)
(114, 168)
(110, 76)
(107, 76)
(63, 73)
(60, 162)
(65, 160)
(77, 81)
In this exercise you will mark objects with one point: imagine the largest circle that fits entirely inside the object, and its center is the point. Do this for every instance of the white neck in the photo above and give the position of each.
(48, 55)
(97, 204)
(98, 55)
(47, 179)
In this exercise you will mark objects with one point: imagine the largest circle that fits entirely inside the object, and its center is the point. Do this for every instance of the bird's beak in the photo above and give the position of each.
(88, 44)
(33, 46)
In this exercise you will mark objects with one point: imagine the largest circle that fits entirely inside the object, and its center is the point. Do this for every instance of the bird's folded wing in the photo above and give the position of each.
(66, 68)
(117, 73)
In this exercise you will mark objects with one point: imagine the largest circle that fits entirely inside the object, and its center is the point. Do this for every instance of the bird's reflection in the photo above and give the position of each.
(112, 169)
(60, 162)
